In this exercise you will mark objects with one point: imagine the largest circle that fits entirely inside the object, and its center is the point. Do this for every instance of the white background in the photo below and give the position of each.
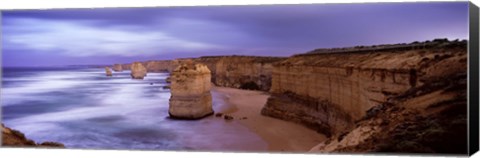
(74, 153)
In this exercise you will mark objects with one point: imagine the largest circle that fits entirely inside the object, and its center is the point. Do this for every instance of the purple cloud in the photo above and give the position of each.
(127, 34)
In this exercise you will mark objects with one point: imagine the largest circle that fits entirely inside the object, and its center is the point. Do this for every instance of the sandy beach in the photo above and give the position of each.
(281, 136)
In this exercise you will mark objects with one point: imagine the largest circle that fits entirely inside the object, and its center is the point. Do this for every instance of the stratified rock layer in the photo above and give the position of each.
(244, 72)
(190, 89)
(159, 66)
(430, 117)
(108, 72)
(330, 89)
(138, 71)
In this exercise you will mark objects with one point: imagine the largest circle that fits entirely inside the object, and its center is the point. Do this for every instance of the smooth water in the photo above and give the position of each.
(83, 108)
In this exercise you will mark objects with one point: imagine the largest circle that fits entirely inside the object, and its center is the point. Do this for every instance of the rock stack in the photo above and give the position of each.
(117, 67)
(190, 88)
(108, 71)
(138, 70)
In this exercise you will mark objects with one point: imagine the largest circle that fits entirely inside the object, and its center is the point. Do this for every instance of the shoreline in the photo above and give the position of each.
(245, 107)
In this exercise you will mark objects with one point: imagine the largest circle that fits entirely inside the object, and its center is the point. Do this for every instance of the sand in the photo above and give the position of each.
(280, 135)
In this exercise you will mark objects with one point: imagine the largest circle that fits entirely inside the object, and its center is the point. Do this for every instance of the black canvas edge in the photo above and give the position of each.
(473, 54)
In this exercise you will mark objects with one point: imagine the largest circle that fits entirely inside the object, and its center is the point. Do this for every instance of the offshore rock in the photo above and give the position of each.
(244, 72)
(190, 88)
(138, 71)
(108, 72)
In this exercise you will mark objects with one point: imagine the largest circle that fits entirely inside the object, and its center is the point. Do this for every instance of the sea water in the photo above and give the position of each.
(83, 108)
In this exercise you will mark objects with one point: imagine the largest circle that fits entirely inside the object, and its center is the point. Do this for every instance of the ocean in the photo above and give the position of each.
(84, 109)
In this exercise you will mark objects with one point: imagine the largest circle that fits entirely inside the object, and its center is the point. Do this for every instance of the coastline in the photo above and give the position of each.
(15, 138)
(275, 132)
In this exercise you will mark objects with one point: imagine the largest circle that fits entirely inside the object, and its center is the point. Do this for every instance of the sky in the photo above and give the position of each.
(122, 35)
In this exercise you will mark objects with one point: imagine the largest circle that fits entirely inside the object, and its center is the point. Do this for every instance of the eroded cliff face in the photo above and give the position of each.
(431, 118)
(246, 72)
(159, 66)
(329, 90)
(118, 67)
(428, 118)
(243, 72)
(126, 66)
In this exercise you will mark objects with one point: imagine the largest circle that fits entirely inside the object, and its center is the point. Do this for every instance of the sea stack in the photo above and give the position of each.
(117, 67)
(190, 89)
(108, 71)
(138, 70)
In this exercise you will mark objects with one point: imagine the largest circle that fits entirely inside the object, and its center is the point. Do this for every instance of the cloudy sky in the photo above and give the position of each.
(122, 35)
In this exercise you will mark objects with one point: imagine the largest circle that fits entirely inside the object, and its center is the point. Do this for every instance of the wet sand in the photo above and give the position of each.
(281, 136)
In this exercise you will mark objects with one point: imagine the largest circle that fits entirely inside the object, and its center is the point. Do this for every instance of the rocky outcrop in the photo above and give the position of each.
(245, 72)
(159, 66)
(152, 66)
(108, 72)
(431, 118)
(126, 66)
(383, 98)
(138, 71)
(428, 118)
(14, 138)
(190, 92)
(117, 67)
(330, 89)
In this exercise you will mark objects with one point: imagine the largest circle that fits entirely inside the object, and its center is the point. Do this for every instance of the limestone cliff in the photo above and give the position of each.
(159, 66)
(125, 66)
(14, 138)
(118, 67)
(330, 89)
(390, 98)
(246, 72)
(431, 118)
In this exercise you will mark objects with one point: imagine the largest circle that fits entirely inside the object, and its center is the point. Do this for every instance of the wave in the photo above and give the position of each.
(86, 109)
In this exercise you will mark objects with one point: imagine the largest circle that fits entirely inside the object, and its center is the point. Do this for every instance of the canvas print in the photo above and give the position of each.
(303, 78)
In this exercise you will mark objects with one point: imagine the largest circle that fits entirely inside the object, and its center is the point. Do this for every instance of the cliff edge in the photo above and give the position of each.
(14, 138)
(332, 90)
